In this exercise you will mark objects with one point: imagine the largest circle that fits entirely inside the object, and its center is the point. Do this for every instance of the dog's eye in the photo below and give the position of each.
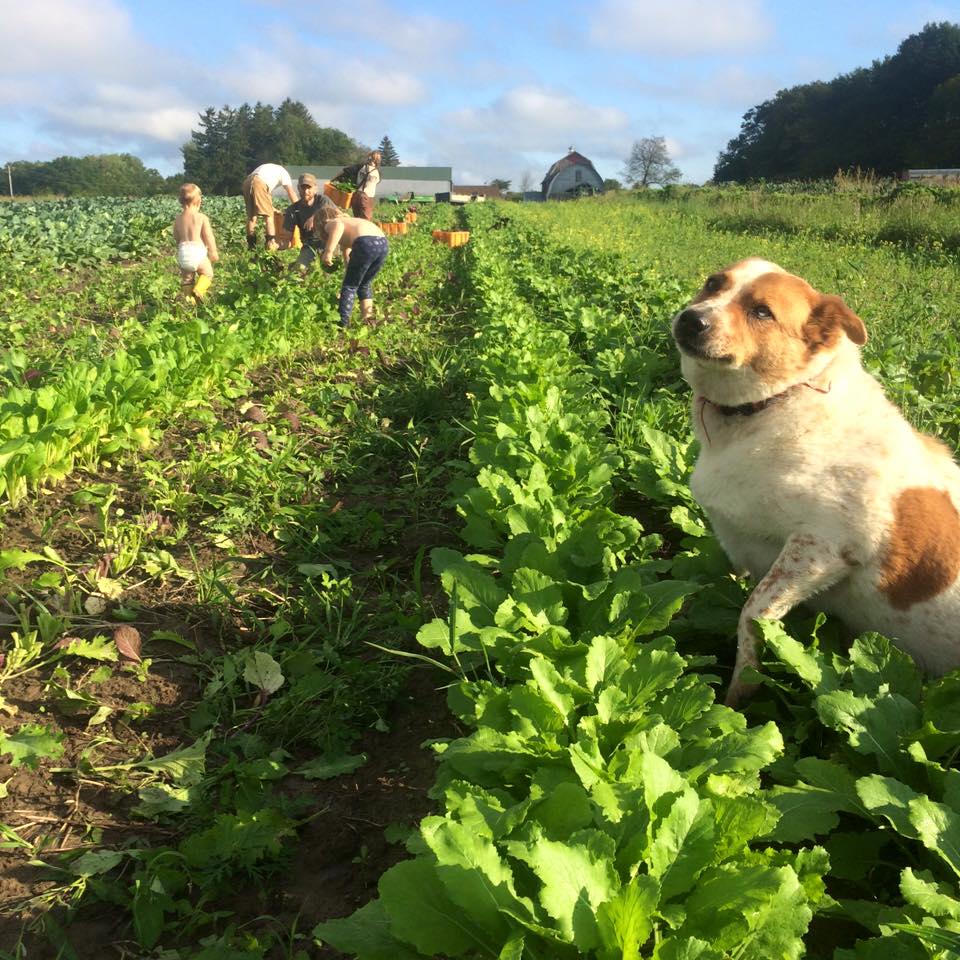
(713, 284)
(761, 312)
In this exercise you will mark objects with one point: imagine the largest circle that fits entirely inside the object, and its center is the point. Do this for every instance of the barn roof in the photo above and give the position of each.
(572, 159)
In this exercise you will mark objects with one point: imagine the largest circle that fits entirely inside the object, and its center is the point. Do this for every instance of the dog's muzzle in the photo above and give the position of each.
(691, 330)
(688, 330)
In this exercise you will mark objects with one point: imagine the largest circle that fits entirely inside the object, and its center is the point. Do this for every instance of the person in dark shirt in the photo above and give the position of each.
(304, 215)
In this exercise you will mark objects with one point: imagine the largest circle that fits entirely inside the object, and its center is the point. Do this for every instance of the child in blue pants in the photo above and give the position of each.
(364, 249)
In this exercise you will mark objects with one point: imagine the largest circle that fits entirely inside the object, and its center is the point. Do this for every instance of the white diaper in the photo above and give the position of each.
(190, 254)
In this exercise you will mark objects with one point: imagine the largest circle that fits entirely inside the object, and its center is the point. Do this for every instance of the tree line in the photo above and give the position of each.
(227, 145)
(102, 175)
(901, 112)
(232, 141)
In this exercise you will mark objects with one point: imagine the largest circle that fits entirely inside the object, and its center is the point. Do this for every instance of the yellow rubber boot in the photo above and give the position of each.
(201, 286)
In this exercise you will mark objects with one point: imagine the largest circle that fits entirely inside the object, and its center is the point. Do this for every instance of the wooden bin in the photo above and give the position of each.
(285, 237)
(341, 198)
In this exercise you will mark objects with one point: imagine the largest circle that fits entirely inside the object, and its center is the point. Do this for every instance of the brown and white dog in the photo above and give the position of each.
(813, 482)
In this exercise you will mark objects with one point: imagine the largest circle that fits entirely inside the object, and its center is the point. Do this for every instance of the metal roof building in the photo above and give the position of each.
(394, 181)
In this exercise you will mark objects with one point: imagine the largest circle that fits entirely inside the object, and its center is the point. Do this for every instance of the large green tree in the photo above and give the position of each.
(900, 112)
(97, 175)
(230, 142)
(649, 164)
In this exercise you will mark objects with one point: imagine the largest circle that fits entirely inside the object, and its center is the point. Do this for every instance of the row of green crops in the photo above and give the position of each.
(282, 700)
(55, 311)
(90, 231)
(115, 394)
(907, 301)
(604, 805)
(601, 784)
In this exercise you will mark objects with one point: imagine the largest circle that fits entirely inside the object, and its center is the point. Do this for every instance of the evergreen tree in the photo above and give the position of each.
(231, 142)
(388, 155)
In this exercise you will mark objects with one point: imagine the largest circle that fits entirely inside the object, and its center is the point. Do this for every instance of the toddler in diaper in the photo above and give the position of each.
(196, 244)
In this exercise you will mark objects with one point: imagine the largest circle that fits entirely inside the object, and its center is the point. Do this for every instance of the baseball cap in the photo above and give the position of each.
(307, 180)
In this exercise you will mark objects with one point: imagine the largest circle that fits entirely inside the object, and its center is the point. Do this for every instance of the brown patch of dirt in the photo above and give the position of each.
(336, 860)
(341, 854)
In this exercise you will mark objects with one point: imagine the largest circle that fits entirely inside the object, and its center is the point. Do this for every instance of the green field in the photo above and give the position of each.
(407, 642)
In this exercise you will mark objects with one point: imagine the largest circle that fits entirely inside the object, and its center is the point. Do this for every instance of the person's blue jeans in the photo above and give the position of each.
(366, 258)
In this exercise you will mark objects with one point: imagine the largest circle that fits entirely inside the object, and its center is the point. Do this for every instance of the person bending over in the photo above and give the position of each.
(257, 196)
(364, 249)
(196, 244)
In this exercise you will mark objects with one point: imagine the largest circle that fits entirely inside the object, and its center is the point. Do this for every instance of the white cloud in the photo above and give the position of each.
(680, 27)
(84, 76)
(53, 35)
(538, 118)
(398, 30)
(88, 80)
(735, 87)
(129, 110)
(527, 128)
(286, 64)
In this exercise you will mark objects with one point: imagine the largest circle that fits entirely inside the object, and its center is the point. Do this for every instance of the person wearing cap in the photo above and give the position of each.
(257, 196)
(303, 214)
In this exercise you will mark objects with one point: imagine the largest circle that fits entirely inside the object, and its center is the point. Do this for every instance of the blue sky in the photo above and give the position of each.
(494, 89)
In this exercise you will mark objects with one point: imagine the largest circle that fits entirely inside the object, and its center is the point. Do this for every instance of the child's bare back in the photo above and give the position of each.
(188, 227)
(196, 245)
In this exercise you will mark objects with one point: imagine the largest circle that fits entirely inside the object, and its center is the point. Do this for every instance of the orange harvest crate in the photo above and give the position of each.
(341, 198)
(285, 236)
(410, 216)
(452, 238)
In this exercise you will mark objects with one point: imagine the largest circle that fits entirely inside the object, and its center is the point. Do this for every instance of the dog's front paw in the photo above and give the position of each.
(748, 642)
(738, 691)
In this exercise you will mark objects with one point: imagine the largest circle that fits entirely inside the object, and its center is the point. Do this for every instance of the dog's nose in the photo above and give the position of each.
(690, 324)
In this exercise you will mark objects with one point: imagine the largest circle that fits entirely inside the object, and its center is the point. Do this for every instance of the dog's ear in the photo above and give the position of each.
(830, 315)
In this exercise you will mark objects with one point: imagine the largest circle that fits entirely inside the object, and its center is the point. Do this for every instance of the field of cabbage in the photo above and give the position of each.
(407, 642)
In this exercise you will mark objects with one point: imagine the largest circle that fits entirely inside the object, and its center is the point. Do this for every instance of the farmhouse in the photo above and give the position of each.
(571, 176)
(394, 181)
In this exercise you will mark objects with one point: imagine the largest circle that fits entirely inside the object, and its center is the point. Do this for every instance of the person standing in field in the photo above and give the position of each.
(364, 249)
(257, 196)
(367, 179)
(196, 244)
(305, 215)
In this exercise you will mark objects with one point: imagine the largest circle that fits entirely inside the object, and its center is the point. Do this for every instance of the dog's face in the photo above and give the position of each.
(761, 328)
